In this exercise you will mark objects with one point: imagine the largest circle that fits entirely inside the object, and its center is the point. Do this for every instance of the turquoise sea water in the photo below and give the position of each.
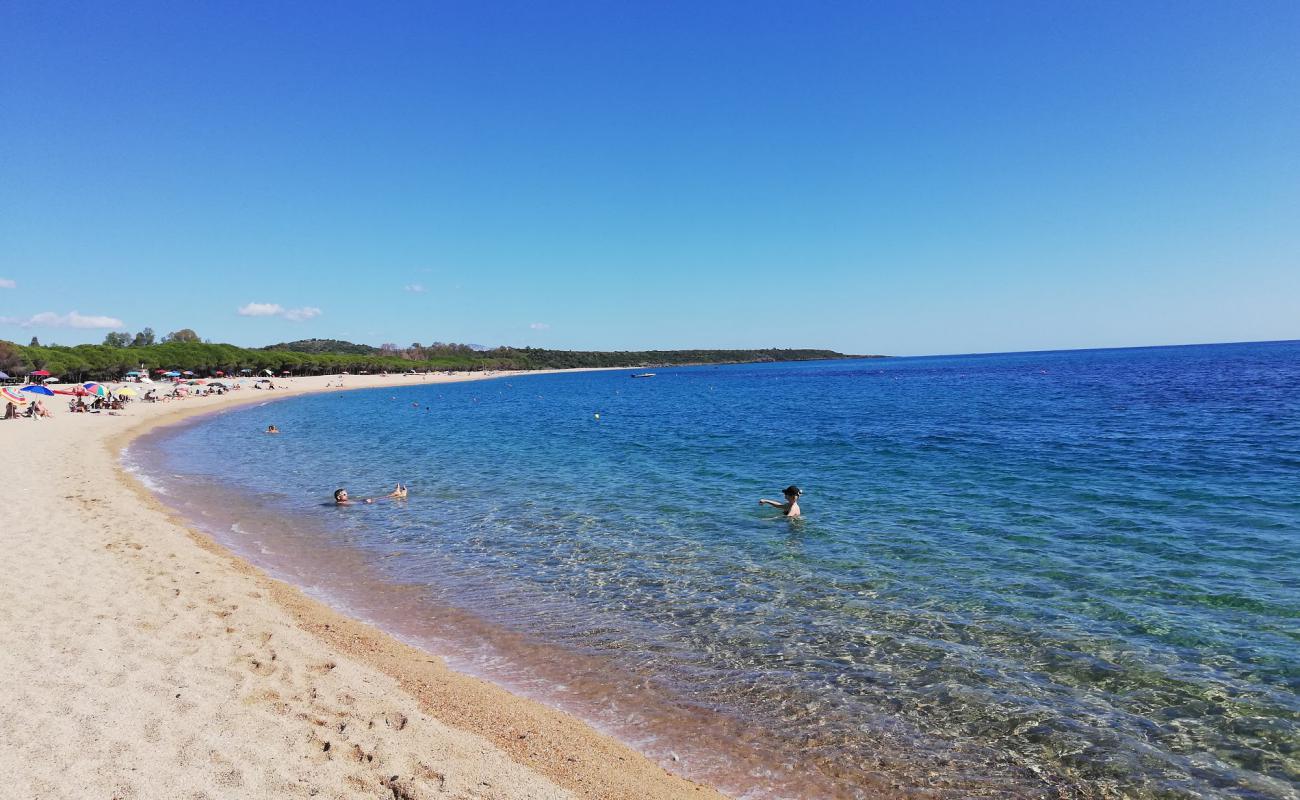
(1070, 574)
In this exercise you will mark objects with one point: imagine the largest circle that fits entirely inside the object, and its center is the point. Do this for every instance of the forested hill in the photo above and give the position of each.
(323, 356)
(324, 346)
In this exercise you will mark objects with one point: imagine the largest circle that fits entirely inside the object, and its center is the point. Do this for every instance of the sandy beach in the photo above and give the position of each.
(143, 660)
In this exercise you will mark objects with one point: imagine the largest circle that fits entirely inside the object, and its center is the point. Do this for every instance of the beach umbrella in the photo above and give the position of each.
(50, 380)
(218, 373)
(172, 374)
(124, 392)
(12, 396)
(246, 372)
(160, 370)
(40, 373)
(133, 373)
(37, 390)
(3, 375)
(187, 372)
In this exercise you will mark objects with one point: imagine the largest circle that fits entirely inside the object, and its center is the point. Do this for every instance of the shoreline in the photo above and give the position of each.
(356, 745)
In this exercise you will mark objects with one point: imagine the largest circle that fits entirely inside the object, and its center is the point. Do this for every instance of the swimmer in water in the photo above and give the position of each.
(341, 496)
(791, 505)
(272, 429)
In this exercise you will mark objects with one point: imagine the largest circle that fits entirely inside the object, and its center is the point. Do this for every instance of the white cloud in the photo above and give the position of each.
(539, 326)
(277, 310)
(72, 319)
(300, 314)
(415, 288)
(261, 310)
(6, 283)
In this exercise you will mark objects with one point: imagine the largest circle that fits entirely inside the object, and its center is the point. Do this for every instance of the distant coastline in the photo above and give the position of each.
(184, 351)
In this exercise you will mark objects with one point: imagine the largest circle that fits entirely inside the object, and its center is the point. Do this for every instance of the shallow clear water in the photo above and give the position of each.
(1058, 574)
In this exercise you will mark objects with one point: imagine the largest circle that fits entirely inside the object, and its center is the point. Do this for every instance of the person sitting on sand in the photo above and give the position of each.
(791, 505)
(272, 429)
(341, 496)
(11, 411)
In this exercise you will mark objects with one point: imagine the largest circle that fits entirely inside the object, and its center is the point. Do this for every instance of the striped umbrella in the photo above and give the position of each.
(12, 396)
(95, 389)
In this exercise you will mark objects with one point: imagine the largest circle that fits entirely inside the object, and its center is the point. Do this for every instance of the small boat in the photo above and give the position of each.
(644, 375)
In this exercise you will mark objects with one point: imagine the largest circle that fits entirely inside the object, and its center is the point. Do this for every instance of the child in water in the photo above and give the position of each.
(341, 496)
(791, 505)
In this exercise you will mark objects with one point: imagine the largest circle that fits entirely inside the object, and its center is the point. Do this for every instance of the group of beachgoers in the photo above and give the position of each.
(34, 410)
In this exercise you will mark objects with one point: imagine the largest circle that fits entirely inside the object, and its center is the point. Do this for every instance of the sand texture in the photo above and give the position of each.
(141, 660)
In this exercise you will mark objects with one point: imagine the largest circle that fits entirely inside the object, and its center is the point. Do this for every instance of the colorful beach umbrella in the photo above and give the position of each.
(40, 373)
(37, 390)
(12, 396)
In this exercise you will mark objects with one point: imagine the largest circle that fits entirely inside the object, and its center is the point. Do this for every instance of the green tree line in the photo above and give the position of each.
(111, 361)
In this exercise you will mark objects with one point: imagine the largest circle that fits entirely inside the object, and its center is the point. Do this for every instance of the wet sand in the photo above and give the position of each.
(142, 659)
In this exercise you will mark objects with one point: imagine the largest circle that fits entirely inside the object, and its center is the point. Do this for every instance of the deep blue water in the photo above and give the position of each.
(1048, 574)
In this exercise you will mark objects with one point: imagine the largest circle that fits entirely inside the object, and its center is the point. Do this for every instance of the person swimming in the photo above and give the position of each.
(272, 429)
(341, 496)
(791, 505)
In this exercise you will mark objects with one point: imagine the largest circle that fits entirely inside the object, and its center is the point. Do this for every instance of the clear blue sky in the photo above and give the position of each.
(902, 178)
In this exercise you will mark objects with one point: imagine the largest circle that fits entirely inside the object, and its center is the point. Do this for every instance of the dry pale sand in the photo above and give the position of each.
(139, 659)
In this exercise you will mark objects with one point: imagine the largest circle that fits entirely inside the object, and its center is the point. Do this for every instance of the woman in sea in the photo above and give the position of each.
(791, 505)
(341, 496)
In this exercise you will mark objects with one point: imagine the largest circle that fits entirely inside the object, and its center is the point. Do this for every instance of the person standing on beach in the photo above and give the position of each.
(791, 505)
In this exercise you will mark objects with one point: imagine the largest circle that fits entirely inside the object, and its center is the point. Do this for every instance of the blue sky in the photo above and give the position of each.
(902, 178)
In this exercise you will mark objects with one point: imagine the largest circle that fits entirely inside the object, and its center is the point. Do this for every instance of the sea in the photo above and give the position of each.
(1043, 575)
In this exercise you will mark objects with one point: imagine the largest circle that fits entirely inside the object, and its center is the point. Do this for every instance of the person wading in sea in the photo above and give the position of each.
(341, 496)
(791, 505)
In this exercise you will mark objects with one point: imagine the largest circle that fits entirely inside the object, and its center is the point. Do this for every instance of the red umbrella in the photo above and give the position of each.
(42, 373)
(79, 391)
(219, 372)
